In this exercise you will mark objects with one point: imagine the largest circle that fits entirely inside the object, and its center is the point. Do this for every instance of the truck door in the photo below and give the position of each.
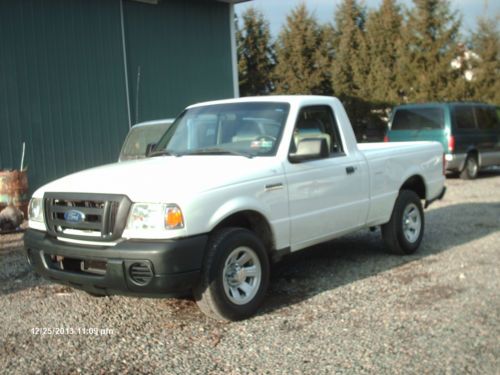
(328, 195)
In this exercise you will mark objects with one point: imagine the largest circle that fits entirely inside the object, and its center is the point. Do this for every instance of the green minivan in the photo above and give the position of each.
(469, 132)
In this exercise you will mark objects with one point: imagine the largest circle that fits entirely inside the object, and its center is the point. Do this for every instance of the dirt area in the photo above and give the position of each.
(343, 307)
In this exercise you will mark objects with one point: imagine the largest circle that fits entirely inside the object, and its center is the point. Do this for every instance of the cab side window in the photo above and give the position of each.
(318, 122)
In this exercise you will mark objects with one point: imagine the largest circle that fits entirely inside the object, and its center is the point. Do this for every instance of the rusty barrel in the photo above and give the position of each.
(14, 190)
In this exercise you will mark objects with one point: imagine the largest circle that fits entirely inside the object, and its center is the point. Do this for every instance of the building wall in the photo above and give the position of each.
(62, 76)
(177, 38)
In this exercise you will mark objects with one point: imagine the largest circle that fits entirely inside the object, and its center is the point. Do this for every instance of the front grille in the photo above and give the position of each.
(100, 217)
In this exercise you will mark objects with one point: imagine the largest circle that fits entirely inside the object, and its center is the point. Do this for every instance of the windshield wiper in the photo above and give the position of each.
(219, 151)
(163, 153)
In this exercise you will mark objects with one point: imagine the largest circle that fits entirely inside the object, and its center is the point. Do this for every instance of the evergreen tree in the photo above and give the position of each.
(383, 36)
(350, 66)
(302, 56)
(256, 60)
(486, 75)
(429, 44)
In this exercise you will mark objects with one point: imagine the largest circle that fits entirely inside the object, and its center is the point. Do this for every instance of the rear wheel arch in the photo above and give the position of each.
(473, 151)
(416, 184)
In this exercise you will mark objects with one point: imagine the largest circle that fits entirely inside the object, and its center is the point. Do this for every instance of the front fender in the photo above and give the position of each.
(235, 205)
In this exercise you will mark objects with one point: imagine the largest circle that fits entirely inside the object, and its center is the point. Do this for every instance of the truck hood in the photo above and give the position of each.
(166, 177)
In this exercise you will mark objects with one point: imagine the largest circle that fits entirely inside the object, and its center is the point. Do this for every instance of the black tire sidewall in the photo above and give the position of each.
(233, 240)
(405, 198)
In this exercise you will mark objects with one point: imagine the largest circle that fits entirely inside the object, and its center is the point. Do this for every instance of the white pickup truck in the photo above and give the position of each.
(230, 187)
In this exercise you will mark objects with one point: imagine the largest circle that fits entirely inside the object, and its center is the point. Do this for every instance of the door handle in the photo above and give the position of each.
(350, 169)
(272, 187)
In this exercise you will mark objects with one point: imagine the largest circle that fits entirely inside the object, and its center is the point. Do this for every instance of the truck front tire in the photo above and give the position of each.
(235, 275)
(404, 232)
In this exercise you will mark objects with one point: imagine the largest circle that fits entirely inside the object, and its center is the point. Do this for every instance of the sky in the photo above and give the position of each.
(275, 11)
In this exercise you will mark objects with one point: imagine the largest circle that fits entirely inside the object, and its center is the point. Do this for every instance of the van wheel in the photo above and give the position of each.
(404, 232)
(471, 168)
(235, 275)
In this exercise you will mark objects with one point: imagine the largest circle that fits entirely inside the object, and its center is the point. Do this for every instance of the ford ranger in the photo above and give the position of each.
(230, 187)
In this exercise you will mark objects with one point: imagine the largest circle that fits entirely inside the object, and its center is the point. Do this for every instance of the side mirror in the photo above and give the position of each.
(150, 148)
(309, 149)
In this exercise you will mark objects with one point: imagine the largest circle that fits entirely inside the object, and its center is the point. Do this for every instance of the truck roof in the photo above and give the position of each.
(292, 99)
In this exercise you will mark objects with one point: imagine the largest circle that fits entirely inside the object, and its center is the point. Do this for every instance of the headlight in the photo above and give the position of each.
(35, 209)
(154, 217)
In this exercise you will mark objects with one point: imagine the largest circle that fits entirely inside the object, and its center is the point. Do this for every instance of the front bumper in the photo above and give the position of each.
(147, 268)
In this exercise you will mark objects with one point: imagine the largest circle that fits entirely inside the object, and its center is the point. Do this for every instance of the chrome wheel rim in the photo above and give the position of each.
(242, 275)
(412, 223)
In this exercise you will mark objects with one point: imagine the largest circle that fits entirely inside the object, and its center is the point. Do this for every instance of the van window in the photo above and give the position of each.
(463, 117)
(487, 118)
(418, 118)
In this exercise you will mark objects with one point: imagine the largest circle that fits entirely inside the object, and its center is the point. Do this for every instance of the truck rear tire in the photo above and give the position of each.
(471, 168)
(235, 275)
(403, 233)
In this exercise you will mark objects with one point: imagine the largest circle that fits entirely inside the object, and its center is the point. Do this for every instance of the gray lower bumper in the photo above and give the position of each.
(455, 162)
(173, 266)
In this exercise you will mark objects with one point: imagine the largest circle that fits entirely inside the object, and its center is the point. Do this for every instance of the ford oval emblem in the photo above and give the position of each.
(74, 216)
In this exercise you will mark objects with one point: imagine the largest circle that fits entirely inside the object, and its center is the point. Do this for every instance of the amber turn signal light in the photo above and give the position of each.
(173, 218)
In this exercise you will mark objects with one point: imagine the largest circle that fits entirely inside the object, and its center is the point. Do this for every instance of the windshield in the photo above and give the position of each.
(248, 129)
(138, 139)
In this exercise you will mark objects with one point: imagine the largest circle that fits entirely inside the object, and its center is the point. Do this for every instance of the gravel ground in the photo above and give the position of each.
(343, 307)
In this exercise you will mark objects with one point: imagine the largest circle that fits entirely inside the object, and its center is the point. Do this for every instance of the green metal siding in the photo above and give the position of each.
(62, 77)
(61, 85)
(183, 50)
